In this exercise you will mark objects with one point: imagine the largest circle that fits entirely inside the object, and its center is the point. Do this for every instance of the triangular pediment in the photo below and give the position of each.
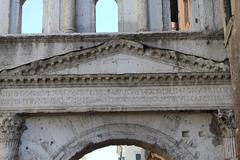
(118, 57)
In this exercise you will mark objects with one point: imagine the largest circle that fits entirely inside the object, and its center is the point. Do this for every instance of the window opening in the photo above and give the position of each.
(32, 12)
(106, 16)
(174, 14)
(138, 156)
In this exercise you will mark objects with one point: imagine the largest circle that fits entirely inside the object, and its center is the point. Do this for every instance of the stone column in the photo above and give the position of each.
(69, 16)
(11, 129)
(155, 18)
(10, 19)
(166, 15)
(85, 16)
(143, 15)
(51, 16)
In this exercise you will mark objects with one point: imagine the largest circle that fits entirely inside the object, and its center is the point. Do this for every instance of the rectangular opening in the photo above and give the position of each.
(138, 156)
(174, 14)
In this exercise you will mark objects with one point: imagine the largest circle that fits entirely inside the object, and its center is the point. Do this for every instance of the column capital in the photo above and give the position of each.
(226, 121)
(11, 129)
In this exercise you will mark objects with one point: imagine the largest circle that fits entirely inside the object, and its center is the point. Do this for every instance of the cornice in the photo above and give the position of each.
(79, 37)
(71, 59)
(115, 80)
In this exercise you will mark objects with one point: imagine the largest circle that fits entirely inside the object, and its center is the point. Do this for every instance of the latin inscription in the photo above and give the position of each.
(174, 96)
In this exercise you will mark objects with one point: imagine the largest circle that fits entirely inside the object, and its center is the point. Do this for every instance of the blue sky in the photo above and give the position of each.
(106, 13)
(107, 21)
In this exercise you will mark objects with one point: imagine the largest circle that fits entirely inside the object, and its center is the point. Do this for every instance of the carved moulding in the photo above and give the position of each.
(144, 79)
(11, 129)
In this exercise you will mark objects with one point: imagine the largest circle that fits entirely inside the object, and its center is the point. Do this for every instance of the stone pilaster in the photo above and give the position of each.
(143, 15)
(69, 16)
(11, 129)
(227, 125)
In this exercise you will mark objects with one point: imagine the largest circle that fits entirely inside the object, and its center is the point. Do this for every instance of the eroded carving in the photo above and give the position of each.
(227, 118)
(11, 129)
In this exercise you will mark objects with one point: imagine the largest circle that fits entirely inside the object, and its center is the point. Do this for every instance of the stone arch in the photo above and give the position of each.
(25, 5)
(125, 134)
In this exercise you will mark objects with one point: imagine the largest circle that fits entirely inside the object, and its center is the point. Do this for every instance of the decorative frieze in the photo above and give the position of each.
(11, 129)
(150, 79)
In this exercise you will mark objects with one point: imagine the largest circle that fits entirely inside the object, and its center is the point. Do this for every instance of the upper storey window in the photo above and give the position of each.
(174, 15)
(32, 11)
(106, 16)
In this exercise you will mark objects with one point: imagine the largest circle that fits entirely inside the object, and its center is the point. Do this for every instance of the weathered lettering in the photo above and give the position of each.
(141, 97)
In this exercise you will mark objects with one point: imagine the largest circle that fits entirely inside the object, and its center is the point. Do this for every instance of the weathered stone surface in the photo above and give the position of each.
(64, 136)
(168, 92)
(208, 97)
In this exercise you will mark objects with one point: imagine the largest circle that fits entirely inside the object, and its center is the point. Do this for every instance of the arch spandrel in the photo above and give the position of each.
(114, 134)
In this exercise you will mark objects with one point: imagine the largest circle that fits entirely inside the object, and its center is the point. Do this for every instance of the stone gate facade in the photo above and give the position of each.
(65, 94)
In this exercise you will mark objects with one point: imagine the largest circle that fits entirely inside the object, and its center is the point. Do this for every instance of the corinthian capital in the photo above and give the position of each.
(11, 129)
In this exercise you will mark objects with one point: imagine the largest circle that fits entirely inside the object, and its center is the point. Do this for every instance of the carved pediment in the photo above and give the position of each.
(118, 57)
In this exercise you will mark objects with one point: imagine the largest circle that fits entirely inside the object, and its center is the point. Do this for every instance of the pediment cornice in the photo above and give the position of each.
(154, 79)
(71, 59)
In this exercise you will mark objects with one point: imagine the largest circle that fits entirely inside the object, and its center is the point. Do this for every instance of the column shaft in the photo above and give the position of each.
(69, 16)
(143, 15)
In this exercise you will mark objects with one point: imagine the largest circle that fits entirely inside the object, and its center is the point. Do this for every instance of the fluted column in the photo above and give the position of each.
(69, 15)
(11, 129)
(143, 15)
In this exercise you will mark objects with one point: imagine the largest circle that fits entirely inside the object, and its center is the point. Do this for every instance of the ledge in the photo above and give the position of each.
(141, 36)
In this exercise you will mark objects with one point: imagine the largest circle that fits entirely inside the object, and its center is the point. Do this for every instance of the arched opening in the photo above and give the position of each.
(32, 12)
(150, 139)
(131, 150)
(122, 152)
(106, 16)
